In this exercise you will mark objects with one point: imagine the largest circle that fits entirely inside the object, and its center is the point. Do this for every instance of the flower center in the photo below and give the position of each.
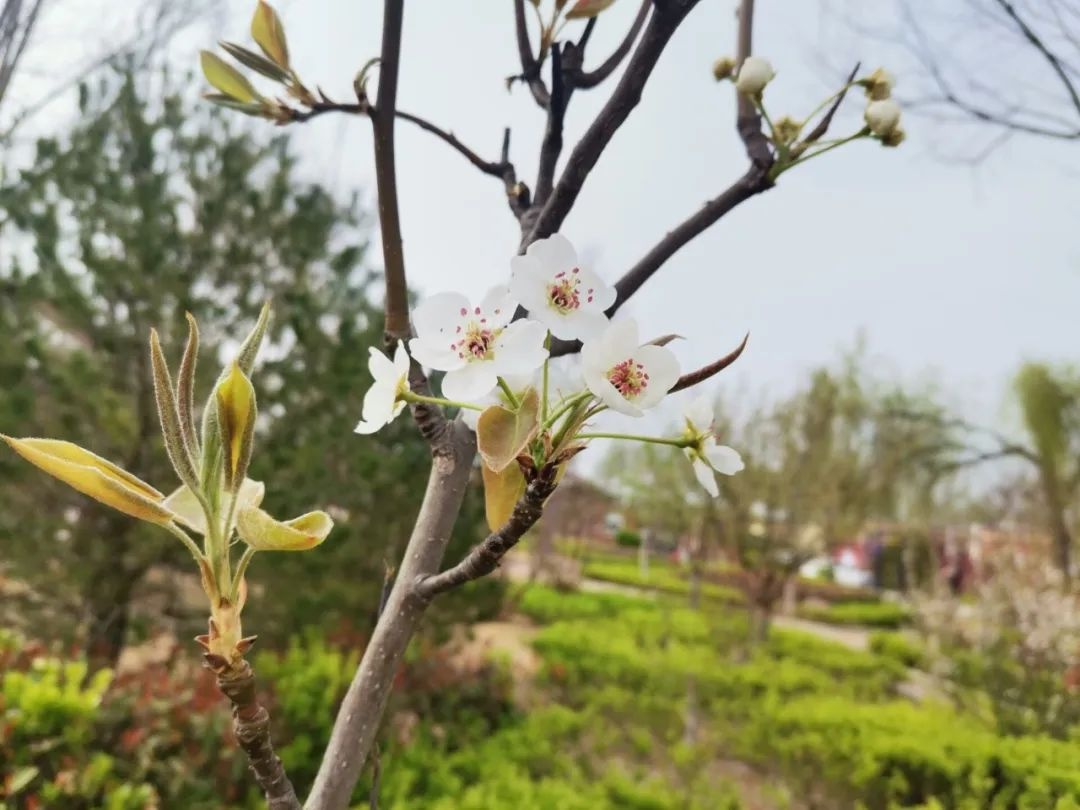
(477, 341)
(563, 294)
(629, 378)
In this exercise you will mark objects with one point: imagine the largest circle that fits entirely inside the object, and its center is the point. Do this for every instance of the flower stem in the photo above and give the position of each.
(780, 169)
(409, 396)
(566, 406)
(634, 438)
(186, 540)
(506, 389)
(241, 569)
(544, 399)
(826, 103)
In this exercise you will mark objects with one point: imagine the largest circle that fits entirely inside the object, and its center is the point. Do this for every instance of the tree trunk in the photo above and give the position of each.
(1059, 527)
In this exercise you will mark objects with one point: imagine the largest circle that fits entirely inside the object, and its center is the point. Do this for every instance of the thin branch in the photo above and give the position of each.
(530, 67)
(1040, 46)
(826, 120)
(552, 145)
(485, 557)
(748, 122)
(591, 78)
(690, 379)
(492, 167)
(251, 723)
(626, 96)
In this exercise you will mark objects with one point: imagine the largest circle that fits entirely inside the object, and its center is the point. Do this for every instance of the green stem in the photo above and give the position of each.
(409, 396)
(826, 103)
(186, 540)
(566, 406)
(509, 392)
(241, 569)
(635, 438)
(780, 169)
(765, 114)
(544, 400)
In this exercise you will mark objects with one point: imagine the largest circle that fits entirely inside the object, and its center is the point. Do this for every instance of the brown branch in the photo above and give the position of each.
(591, 78)
(1040, 46)
(530, 67)
(690, 379)
(748, 122)
(626, 96)
(486, 556)
(251, 723)
(551, 146)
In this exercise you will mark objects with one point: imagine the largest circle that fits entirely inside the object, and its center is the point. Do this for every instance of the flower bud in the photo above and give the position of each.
(879, 84)
(894, 138)
(723, 68)
(754, 74)
(883, 117)
(786, 130)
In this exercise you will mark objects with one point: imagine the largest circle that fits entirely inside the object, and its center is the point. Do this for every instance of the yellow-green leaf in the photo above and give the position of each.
(268, 32)
(501, 491)
(94, 476)
(226, 78)
(263, 533)
(184, 504)
(587, 8)
(501, 433)
(236, 419)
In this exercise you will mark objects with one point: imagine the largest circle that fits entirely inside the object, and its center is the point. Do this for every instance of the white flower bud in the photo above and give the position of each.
(879, 84)
(882, 117)
(723, 68)
(754, 74)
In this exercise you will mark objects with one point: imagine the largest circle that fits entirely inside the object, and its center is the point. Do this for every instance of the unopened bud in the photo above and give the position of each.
(786, 130)
(879, 84)
(754, 74)
(723, 68)
(894, 138)
(883, 117)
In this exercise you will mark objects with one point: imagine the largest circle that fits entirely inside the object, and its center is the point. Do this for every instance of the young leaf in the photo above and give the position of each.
(245, 357)
(263, 533)
(169, 416)
(501, 492)
(94, 476)
(185, 387)
(188, 511)
(227, 79)
(267, 31)
(236, 419)
(587, 8)
(254, 110)
(260, 64)
(501, 434)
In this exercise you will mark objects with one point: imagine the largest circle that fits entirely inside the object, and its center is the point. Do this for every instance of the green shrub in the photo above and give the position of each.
(547, 605)
(880, 614)
(627, 538)
(661, 578)
(898, 647)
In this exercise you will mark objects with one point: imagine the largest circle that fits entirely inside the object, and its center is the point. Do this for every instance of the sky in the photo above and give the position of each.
(952, 274)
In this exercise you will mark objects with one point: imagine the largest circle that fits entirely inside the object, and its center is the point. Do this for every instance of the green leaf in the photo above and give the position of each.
(502, 433)
(185, 386)
(268, 32)
(236, 417)
(255, 110)
(587, 8)
(227, 79)
(257, 62)
(245, 357)
(169, 416)
(260, 531)
(502, 490)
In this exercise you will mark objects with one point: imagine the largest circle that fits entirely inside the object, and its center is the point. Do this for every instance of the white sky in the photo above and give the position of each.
(952, 274)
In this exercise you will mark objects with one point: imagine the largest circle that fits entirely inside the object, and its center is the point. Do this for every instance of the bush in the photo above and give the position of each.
(627, 538)
(880, 614)
(664, 579)
(898, 647)
(547, 606)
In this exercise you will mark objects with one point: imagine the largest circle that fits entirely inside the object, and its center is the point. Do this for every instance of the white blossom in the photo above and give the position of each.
(475, 345)
(706, 456)
(625, 375)
(754, 74)
(383, 401)
(883, 117)
(567, 298)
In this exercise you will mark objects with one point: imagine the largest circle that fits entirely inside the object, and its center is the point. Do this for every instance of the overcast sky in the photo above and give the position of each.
(952, 273)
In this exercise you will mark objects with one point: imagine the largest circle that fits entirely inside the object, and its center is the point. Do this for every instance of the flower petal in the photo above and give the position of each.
(498, 306)
(379, 404)
(699, 412)
(440, 312)
(584, 324)
(724, 460)
(401, 360)
(705, 476)
(380, 366)
(663, 370)
(470, 383)
(438, 356)
(555, 253)
(520, 347)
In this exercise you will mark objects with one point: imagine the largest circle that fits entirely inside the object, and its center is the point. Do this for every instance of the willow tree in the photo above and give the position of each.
(494, 352)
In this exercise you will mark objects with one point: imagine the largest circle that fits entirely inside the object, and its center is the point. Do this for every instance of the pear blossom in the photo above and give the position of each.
(475, 345)
(705, 455)
(753, 75)
(384, 401)
(564, 381)
(568, 299)
(625, 375)
(883, 117)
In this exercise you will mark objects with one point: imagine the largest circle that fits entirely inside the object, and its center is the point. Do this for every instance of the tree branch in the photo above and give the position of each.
(251, 723)
(551, 147)
(692, 378)
(1040, 46)
(530, 67)
(486, 556)
(748, 122)
(626, 96)
(591, 78)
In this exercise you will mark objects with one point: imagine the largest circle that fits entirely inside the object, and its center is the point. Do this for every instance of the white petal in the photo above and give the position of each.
(724, 460)
(379, 365)
(498, 306)
(435, 356)
(401, 360)
(555, 253)
(470, 418)
(378, 407)
(699, 412)
(581, 325)
(663, 371)
(609, 395)
(439, 314)
(705, 476)
(470, 383)
(520, 347)
(620, 340)
(529, 287)
(603, 296)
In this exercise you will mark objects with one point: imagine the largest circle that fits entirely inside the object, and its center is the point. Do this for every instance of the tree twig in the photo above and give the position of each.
(591, 78)
(690, 379)
(530, 67)
(551, 147)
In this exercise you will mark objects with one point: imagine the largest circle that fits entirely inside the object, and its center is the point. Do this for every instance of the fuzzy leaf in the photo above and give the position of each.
(94, 476)
(224, 77)
(175, 444)
(254, 110)
(501, 492)
(267, 31)
(263, 533)
(587, 8)
(257, 62)
(186, 507)
(245, 357)
(185, 387)
(236, 419)
(502, 433)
